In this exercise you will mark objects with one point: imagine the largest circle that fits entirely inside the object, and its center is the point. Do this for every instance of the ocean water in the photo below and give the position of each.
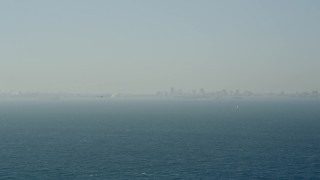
(160, 139)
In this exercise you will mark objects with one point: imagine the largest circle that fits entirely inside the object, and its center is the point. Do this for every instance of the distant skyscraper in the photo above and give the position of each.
(202, 92)
(172, 91)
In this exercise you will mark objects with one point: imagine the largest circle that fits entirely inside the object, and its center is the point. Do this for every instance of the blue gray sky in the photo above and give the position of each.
(144, 46)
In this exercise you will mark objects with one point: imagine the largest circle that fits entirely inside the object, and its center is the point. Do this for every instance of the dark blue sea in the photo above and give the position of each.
(259, 138)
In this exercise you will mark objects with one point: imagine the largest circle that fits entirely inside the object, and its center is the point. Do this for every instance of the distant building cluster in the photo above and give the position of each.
(172, 92)
(202, 93)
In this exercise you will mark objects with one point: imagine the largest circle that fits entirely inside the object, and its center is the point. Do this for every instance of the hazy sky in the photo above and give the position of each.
(147, 45)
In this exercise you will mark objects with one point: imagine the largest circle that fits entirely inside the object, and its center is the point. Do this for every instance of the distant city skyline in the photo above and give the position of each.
(100, 46)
